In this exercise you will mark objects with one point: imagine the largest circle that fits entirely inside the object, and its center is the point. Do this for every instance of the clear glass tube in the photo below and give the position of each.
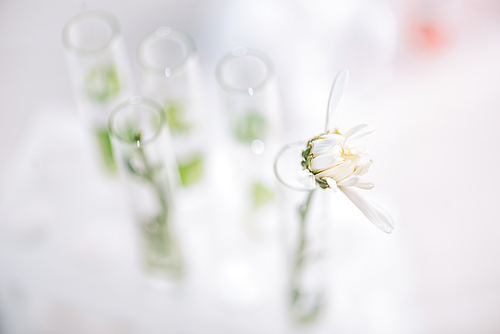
(171, 76)
(100, 72)
(250, 97)
(141, 141)
(304, 215)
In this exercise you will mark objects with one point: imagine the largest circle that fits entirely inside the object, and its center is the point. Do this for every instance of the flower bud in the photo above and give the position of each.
(337, 162)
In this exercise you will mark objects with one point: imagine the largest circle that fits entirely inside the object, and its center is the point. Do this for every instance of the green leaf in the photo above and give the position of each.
(174, 113)
(261, 194)
(191, 171)
(105, 148)
(131, 168)
(102, 83)
(251, 126)
(295, 295)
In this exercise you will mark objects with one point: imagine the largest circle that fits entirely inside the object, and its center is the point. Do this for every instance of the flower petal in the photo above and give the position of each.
(331, 183)
(345, 173)
(306, 178)
(349, 181)
(358, 131)
(360, 149)
(332, 171)
(363, 184)
(326, 143)
(337, 93)
(375, 214)
(363, 169)
(325, 161)
(340, 138)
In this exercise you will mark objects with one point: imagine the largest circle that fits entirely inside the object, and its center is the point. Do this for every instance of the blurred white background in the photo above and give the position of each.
(425, 74)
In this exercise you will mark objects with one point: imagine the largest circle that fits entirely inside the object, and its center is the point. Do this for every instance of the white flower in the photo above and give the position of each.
(335, 161)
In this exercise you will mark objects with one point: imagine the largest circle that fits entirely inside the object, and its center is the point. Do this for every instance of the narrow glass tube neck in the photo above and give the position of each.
(91, 33)
(136, 122)
(166, 52)
(244, 71)
(288, 168)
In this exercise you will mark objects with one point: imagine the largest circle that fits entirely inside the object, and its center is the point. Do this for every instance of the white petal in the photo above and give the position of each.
(366, 167)
(331, 183)
(359, 149)
(365, 132)
(363, 169)
(358, 131)
(349, 181)
(363, 184)
(357, 159)
(374, 213)
(325, 161)
(332, 171)
(353, 130)
(337, 149)
(345, 173)
(307, 179)
(337, 93)
(326, 143)
(340, 138)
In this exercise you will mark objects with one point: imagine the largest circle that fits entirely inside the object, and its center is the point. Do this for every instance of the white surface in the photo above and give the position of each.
(70, 260)
(67, 253)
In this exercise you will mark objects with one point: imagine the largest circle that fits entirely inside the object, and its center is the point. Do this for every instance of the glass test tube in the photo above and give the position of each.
(171, 76)
(100, 73)
(250, 97)
(141, 141)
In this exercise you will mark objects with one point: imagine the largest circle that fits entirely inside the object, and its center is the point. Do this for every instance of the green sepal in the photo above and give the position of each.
(308, 161)
(306, 152)
(322, 184)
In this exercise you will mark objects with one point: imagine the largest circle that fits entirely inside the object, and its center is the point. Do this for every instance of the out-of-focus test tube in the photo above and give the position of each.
(100, 73)
(250, 97)
(141, 141)
(171, 76)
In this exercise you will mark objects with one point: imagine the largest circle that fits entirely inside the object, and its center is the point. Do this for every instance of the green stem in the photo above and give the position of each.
(303, 209)
(163, 253)
(300, 258)
(152, 178)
